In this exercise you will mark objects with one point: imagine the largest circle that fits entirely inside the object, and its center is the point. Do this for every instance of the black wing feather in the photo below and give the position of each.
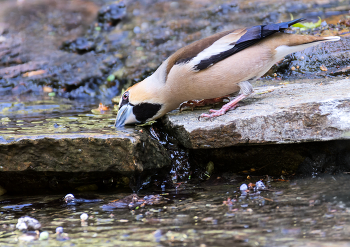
(251, 37)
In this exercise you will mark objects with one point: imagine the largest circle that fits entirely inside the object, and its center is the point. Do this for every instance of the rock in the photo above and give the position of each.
(132, 201)
(243, 187)
(58, 161)
(69, 74)
(59, 230)
(2, 191)
(84, 216)
(81, 45)
(259, 185)
(302, 159)
(44, 236)
(28, 223)
(81, 152)
(68, 198)
(55, 144)
(291, 113)
(112, 14)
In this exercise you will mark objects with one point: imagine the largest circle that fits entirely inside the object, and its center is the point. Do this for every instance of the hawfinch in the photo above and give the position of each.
(216, 66)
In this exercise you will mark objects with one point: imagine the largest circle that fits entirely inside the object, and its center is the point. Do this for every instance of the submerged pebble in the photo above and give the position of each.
(84, 216)
(133, 201)
(243, 187)
(69, 198)
(28, 223)
(59, 230)
(44, 236)
(259, 185)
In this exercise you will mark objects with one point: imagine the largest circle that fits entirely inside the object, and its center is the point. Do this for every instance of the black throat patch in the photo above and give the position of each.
(145, 111)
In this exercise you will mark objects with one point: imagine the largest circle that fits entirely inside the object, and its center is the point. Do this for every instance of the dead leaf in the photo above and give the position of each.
(323, 68)
(101, 109)
(267, 91)
(47, 89)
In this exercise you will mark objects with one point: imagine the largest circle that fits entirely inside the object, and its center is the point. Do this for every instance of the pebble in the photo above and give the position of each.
(243, 187)
(144, 26)
(44, 236)
(259, 185)
(137, 29)
(59, 230)
(174, 5)
(136, 12)
(28, 223)
(69, 197)
(84, 216)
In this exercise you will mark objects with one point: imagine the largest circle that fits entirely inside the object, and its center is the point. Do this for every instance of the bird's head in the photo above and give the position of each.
(139, 104)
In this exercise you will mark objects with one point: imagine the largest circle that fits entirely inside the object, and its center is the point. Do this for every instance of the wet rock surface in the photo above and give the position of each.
(328, 59)
(287, 113)
(31, 59)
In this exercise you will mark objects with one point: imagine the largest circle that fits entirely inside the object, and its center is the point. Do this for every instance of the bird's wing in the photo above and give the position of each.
(206, 52)
(190, 51)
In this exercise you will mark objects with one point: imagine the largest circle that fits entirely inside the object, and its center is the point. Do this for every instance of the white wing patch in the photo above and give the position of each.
(219, 46)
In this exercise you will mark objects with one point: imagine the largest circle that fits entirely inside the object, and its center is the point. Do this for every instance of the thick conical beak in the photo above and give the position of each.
(125, 116)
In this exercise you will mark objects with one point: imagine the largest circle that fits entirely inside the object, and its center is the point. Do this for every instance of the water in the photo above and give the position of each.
(48, 115)
(308, 212)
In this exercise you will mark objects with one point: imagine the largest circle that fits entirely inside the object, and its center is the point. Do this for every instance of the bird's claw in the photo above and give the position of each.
(203, 115)
(216, 113)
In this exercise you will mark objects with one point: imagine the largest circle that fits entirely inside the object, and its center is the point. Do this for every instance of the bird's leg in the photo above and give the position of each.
(197, 103)
(246, 90)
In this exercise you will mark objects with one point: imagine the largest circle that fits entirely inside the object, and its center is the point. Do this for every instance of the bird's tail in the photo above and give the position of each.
(287, 24)
(294, 42)
(329, 38)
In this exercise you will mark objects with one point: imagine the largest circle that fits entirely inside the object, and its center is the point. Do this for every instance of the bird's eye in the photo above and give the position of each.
(126, 95)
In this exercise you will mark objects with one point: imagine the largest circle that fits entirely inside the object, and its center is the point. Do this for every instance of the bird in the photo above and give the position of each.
(216, 66)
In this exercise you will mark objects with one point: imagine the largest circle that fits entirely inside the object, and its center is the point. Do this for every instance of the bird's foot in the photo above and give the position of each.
(198, 103)
(217, 113)
(229, 106)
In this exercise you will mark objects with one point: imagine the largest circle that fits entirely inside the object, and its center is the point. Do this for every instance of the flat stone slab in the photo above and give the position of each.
(121, 152)
(288, 113)
(56, 144)
(41, 140)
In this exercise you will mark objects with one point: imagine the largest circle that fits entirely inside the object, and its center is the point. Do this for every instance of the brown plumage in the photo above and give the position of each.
(212, 67)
